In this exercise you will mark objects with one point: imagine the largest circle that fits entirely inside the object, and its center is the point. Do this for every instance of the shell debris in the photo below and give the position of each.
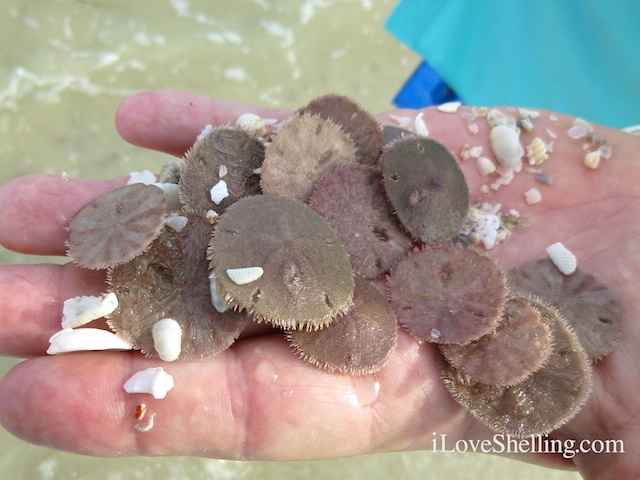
(562, 258)
(154, 381)
(86, 339)
(505, 143)
(211, 216)
(532, 196)
(242, 276)
(421, 126)
(592, 159)
(167, 339)
(254, 124)
(485, 166)
(219, 192)
(78, 311)
(145, 427)
(176, 222)
(141, 411)
(449, 107)
(222, 171)
(537, 151)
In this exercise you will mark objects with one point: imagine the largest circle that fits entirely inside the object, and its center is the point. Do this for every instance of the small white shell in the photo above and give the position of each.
(242, 276)
(146, 177)
(212, 216)
(217, 299)
(222, 171)
(219, 192)
(505, 143)
(592, 159)
(205, 131)
(167, 339)
(532, 196)
(81, 310)
(253, 124)
(155, 381)
(421, 126)
(562, 258)
(176, 222)
(86, 339)
(449, 107)
(485, 166)
(145, 427)
(497, 117)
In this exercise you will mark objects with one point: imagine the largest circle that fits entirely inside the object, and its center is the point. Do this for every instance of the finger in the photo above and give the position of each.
(37, 210)
(170, 121)
(255, 401)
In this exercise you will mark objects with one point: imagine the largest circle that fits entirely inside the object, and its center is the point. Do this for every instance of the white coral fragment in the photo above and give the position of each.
(219, 192)
(167, 339)
(242, 276)
(154, 381)
(562, 258)
(86, 339)
(78, 311)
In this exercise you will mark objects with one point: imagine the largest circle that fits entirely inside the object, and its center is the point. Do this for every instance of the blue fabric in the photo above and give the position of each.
(425, 87)
(578, 57)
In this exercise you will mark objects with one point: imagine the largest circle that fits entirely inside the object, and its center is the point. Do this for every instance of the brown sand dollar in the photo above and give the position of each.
(237, 153)
(446, 294)
(307, 277)
(426, 188)
(363, 129)
(117, 226)
(544, 401)
(519, 346)
(305, 148)
(358, 342)
(171, 280)
(351, 199)
(586, 302)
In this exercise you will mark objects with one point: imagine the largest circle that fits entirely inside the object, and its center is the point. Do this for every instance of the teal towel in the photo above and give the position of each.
(580, 57)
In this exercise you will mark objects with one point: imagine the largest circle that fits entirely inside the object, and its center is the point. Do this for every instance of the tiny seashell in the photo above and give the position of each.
(146, 177)
(222, 171)
(505, 143)
(537, 151)
(592, 159)
(532, 196)
(400, 121)
(81, 310)
(485, 166)
(480, 111)
(475, 152)
(605, 151)
(86, 339)
(145, 427)
(527, 112)
(167, 339)
(449, 107)
(141, 411)
(421, 126)
(219, 192)
(154, 381)
(212, 216)
(176, 222)
(205, 131)
(242, 276)
(544, 178)
(497, 117)
(552, 134)
(578, 131)
(562, 258)
(217, 299)
(253, 124)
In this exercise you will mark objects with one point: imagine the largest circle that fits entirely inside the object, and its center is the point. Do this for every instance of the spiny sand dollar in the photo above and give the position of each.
(363, 129)
(351, 199)
(446, 294)
(171, 280)
(519, 345)
(306, 280)
(231, 148)
(117, 226)
(305, 148)
(544, 401)
(358, 342)
(586, 302)
(426, 188)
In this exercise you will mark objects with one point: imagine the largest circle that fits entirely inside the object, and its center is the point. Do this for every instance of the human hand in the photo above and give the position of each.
(257, 400)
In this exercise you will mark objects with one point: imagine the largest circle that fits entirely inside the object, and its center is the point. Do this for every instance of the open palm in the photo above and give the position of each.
(257, 400)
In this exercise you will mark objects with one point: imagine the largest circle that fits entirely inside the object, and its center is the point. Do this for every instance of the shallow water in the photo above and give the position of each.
(64, 67)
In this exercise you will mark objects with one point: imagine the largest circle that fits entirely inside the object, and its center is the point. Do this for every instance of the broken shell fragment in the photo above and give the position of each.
(433, 297)
(485, 166)
(532, 196)
(167, 339)
(592, 159)
(81, 310)
(426, 188)
(176, 222)
(307, 279)
(145, 427)
(154, 381)
(242, 276)
(219, 192)
(358, 342)
(562, 258)
(586, 302)
(86, 339)
(505, 143)
(117, 226)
